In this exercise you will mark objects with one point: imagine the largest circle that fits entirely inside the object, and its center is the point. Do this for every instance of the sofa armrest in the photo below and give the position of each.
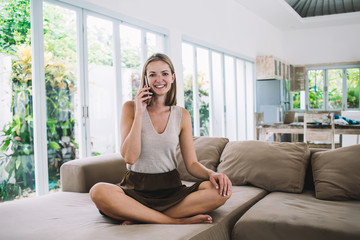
(81, 174)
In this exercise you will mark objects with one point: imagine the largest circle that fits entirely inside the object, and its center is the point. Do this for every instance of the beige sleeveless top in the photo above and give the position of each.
(158, 150)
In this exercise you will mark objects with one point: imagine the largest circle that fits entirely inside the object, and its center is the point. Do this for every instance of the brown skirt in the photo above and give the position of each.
(157, 191)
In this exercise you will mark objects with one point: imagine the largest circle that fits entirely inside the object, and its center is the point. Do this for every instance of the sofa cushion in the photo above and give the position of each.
(68, 215)
(208, 152)
(271, 166)
(336, 173)
(299, 216)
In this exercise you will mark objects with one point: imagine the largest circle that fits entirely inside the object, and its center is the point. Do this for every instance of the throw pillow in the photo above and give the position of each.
(272, 166)
(208, 151)
(337, 173)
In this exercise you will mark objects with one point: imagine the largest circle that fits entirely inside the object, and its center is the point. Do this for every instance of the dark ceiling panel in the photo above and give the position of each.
(311, 8)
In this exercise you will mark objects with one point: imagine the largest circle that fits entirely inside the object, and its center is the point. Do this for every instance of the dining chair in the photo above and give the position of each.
(322, 137)
(289, 117)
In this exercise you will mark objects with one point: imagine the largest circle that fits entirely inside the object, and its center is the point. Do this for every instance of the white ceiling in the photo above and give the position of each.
(283, 16)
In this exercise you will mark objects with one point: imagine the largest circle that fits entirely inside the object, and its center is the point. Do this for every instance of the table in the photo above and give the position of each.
(276, 129)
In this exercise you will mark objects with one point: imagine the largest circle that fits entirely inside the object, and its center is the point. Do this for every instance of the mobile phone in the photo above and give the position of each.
(147, 85)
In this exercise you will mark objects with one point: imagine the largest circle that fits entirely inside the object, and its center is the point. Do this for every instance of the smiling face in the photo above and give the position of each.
(159, 76)
(160, 66)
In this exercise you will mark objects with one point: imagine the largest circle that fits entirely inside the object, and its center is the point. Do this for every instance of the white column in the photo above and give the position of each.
(39, 98)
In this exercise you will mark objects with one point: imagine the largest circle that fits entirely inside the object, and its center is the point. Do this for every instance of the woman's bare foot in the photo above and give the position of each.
(196, 219)
(126, 222)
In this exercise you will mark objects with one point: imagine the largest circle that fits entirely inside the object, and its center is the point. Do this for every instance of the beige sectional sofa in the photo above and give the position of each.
(274, 197)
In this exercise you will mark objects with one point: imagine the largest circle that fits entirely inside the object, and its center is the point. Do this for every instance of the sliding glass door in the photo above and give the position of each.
(61, 84)
(218, 92)
(101, 85)
(87, 64)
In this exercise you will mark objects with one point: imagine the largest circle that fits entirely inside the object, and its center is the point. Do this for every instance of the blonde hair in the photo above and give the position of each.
(171, 95)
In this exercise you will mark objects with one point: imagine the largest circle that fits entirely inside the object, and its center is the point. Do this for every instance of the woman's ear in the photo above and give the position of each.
(173, 77)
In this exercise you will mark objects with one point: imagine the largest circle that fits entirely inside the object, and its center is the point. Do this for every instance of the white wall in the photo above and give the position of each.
(224, 24)
(323, 45)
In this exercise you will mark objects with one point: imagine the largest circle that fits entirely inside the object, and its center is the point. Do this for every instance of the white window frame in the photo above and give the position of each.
(326, 87)
(39, 98)
(247, 84)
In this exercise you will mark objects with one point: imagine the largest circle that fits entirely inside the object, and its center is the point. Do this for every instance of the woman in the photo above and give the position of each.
(151, 128)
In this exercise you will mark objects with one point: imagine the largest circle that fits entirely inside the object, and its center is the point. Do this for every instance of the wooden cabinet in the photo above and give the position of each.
(270, 67)
(297, 83)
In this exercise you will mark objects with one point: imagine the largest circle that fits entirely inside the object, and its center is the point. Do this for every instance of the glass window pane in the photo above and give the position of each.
(230, 99)
(155, 43)
(101, 79)
(296, 100)
(130, 41)
(17, 167)
(61, 88)
(17, 175)
(241, 99)
(188, 76)
(352, 76)
(5, 91)
(218, 95)
(335, 88)
(204, 89)
(316, 89)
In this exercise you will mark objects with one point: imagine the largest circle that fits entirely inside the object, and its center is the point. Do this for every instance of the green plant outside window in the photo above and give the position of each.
(335, 88)
(16, 146)
(352, 76)
(335, 92)
(316, 89)
(296, 100)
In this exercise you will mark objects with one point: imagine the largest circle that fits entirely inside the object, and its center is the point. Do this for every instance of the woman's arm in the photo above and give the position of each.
(130, 126)
(220, 181)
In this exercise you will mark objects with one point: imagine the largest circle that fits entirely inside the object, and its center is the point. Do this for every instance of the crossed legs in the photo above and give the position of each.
(112, 201)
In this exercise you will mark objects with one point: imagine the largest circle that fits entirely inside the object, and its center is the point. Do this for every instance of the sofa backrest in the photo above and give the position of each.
(209, 151)
(272, 166)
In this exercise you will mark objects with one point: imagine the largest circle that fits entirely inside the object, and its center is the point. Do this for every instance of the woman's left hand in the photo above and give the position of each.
(221, 182)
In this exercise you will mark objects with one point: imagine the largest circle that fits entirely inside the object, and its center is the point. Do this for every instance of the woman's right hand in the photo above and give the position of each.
(142, 98)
